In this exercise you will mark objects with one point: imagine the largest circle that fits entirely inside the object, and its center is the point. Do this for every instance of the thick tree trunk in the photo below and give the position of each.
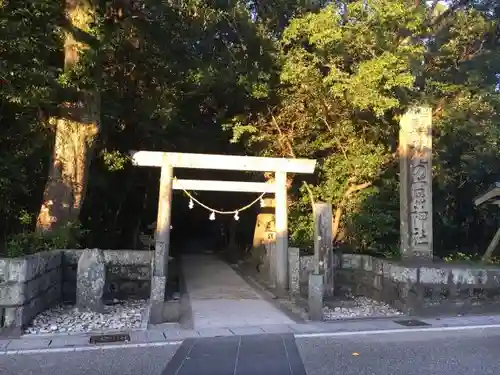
(75, 132)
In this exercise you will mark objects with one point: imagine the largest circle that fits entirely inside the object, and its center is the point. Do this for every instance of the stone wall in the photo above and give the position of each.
(28, 285)
(128, 274)
(423, 289)
(31, 284)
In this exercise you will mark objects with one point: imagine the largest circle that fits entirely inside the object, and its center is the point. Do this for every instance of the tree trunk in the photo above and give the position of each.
(75, 132)
(340, 208)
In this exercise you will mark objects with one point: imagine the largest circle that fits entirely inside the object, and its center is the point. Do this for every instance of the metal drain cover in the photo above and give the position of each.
(105, 339)
(411, 323)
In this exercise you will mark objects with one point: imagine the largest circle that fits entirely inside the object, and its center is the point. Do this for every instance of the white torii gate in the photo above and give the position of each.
(168, 161)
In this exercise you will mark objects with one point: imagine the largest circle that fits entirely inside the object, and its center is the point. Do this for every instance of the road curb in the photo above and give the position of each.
(167, 337)
(90, 348)
(395, 331)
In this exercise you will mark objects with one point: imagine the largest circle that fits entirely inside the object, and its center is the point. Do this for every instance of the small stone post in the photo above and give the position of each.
(90, 280)
(323, 245)
(315, 296)
(294, 270)
(415, 164)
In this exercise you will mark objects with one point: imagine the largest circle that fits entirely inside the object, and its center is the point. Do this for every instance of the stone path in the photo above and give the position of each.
(220, 298)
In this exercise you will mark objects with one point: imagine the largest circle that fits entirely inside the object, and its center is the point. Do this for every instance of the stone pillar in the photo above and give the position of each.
(281, 231)
(157, 299)
(264, 240)
(264, 222)
(159, 274)
(271, 259)
(294, 270)
(323, 246)
(315, 296)
(162, 236)
(90, 280)
(415, 164)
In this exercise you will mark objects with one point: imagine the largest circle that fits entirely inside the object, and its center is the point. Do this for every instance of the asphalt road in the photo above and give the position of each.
(431, 353)
(436, 353)
(128, 361)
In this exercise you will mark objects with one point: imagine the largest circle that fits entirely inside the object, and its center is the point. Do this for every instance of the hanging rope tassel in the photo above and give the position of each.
(193, 200)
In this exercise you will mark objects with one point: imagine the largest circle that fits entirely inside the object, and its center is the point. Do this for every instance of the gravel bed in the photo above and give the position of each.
(359, 307)
(120, 315)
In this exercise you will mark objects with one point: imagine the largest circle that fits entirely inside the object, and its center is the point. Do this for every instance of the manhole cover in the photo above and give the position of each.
(411, 323)
(104, 339)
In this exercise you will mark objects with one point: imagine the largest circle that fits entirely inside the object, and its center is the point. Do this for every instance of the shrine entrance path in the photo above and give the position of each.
(220, 298)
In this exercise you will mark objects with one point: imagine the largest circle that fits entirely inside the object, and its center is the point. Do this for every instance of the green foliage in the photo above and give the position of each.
(30, 45)
(114, 160)
(469, 258)
(26, 243)
(348, 72)
(322, 80)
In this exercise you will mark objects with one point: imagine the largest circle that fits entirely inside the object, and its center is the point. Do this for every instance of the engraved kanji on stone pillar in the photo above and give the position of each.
(415, 152)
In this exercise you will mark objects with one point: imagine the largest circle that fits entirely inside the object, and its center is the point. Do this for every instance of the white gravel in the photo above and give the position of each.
(359, 307)
(68, 319)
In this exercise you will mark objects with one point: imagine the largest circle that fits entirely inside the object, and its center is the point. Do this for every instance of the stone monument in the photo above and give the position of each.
(90, 280)
(323, 245)
(415, 165)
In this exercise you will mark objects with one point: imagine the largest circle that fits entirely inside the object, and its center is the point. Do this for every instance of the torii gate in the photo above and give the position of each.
(169, 160)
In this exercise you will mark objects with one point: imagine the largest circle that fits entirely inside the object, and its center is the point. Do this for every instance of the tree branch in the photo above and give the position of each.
(282, 139)
(340, 208)
(311, 195)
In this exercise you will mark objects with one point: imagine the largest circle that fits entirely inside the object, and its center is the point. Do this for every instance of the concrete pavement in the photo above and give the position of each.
(448, 352)
(168, 335)
(220, 298)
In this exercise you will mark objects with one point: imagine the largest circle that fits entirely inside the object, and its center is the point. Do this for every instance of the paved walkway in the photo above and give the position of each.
(220, 298)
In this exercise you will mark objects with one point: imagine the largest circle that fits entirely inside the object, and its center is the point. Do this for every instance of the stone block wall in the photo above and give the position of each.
(28, 285)
(423, 289)
(32, 284)
(128, 274)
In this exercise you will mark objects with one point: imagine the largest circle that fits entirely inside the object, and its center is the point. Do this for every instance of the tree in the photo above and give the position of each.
(76, 125)
(287, 78)
(30, 45)
(348, 72)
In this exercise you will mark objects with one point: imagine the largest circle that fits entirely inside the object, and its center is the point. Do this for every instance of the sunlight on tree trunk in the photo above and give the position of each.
(340, 208)
(75, 132)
